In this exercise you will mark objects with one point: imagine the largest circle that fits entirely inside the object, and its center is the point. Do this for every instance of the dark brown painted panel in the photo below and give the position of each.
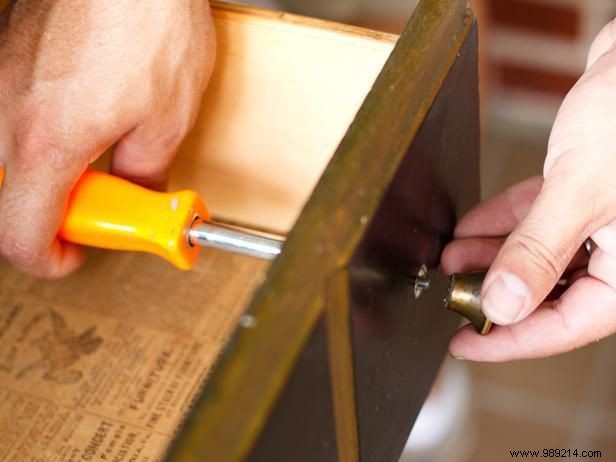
(301, 427)
(399, 342)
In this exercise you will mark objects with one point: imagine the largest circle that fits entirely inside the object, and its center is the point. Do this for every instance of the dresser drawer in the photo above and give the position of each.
(361, 148)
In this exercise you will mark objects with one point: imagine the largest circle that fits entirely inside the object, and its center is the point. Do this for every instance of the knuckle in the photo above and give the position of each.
(41, 141)
(541, 260)
(172, 138)
(18, 251)
(604, 40)
(567, 329)
(37, 130)
(37, 139)
(611, 27)
(177, 135)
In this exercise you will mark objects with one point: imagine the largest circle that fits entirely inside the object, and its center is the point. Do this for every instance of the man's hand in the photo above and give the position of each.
(549, 220)
(78, 77)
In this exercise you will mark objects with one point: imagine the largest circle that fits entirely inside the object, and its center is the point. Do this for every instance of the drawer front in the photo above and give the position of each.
(397, 343)
(340, 357)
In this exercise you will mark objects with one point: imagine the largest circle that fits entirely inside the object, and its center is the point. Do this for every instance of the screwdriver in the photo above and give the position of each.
(109, 212)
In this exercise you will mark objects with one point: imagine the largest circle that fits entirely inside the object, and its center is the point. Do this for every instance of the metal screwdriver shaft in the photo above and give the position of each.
(233, 240)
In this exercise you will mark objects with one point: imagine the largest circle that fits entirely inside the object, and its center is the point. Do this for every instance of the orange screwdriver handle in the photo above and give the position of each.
(108, 212)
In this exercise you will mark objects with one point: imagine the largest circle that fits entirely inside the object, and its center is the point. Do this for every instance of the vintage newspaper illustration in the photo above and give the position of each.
(105, 364)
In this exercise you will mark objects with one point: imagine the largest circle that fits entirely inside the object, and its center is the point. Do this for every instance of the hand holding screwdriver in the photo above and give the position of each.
(79, 77)
(111, 213)
(548, 220)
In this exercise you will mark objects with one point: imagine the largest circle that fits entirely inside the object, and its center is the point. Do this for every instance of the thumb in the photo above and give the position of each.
(536, 253)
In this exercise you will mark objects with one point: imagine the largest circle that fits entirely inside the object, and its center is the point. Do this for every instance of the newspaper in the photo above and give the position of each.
(105, 364)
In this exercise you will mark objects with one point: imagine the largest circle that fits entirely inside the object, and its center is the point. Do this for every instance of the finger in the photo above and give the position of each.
(499, 215)
(585, 314)
(602, 44)
(145, 155)
(32, 203)
(605, 238)
(536, 253)
(602, 266)
(471, 254)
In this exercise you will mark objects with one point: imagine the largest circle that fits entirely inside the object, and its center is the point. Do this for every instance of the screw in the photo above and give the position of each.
(420, 281)
(248, 321)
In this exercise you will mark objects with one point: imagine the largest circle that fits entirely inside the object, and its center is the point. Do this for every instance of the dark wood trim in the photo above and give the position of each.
(340, 352)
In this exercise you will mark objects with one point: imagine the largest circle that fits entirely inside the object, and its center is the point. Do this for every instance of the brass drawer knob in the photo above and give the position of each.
(463, 297)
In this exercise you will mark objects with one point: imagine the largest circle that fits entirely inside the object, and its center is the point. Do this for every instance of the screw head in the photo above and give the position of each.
(421, 281)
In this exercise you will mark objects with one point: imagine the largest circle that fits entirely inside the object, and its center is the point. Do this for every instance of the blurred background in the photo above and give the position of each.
(532, 52)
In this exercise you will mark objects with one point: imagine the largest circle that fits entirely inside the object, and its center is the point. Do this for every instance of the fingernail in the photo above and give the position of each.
(505, 299)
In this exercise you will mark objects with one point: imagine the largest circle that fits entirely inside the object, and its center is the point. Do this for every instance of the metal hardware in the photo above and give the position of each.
(421, 281)
(463, 297)
(233, 240)
(589, 246)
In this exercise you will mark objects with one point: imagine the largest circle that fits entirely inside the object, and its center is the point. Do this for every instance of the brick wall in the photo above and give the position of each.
(537, 50)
